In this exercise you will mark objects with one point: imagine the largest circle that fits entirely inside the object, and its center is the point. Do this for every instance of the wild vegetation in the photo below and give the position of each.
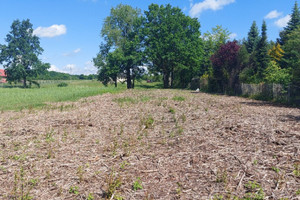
(151, 144)
(65, 141)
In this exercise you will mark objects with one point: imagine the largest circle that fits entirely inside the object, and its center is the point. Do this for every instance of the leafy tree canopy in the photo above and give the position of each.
(121, 31)
(172, 44)
(20, 55)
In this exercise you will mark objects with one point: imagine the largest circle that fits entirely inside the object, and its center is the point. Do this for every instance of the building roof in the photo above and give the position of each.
(2, 73)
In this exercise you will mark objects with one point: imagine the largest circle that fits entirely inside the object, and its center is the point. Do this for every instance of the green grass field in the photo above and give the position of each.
(17, 98)
(14, 98)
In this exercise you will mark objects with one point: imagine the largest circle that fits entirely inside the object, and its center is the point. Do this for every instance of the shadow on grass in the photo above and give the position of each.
(149, 86)
(11, 86)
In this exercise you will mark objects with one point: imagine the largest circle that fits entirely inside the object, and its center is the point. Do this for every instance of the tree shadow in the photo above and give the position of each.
(290, 118)
(150, 86)
(266, 103)
(11, 86)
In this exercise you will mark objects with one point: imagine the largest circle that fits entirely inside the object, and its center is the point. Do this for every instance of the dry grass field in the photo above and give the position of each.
(151, 144)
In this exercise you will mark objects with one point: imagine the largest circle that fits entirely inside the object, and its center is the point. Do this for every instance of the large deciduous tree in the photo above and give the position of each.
(212, 40)
(121, 32)
(20, 55)
(109, 67)
(173, 44)
(226, 67)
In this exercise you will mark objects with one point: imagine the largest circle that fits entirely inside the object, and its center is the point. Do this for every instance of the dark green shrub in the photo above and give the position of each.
(62, 84)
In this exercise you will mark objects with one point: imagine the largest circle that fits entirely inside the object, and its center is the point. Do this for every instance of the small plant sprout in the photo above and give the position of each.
(296, 171)
(80, 173)
(222, 176)
(172, 110)
(137, 184)
(275, 169)
(74, 190)
(90, 197)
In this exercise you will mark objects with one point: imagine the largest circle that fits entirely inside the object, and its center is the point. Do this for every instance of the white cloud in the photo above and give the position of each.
(198, 8)
(52, 31)
(73, 52)
(70, 67)
(282, 22)
(77, 50)
(90, 68)
(54, 68)
(273, 14)
(232, 36)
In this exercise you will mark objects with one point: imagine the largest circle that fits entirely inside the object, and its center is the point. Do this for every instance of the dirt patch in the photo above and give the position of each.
(155, 144)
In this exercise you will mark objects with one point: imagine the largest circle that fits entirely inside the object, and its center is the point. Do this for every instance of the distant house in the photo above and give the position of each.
(2, 76)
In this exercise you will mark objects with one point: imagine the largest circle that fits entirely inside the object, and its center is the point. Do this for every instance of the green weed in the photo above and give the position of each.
(90, 197)
(172, 110)
(113, 183)
(275, 169)
(296, 171)
(22, 187)
(74, 190)
(254, 191)
(137, 184)
(148, 122)
(178, 98)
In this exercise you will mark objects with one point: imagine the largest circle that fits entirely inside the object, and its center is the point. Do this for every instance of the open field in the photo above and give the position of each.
(19, 98)
(151, 144)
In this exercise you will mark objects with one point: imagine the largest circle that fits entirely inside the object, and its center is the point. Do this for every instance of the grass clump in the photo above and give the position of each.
(62, 84)
(125, 100)
(22, 187)
(178, 98)
(113, 183)
(254, 191)
(148, 122)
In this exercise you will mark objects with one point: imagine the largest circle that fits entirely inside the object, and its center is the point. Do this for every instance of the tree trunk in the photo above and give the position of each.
(24, 82)
(166, 79)
(172, 79)
(128, 77)
(133, 78)
(116, 81)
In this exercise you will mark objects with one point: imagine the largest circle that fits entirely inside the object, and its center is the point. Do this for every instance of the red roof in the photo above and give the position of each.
(2, 73)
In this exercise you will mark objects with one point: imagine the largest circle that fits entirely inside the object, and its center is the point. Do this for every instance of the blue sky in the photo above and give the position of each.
(69, 30)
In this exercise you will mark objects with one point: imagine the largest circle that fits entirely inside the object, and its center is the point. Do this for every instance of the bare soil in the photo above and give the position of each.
(151, 144)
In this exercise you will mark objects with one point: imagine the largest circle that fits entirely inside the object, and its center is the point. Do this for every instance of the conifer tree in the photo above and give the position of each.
(262, 56)
(292, 24)
(253, 38)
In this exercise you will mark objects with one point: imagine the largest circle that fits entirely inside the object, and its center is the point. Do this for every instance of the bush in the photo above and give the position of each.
(274, 74)
(62, 84)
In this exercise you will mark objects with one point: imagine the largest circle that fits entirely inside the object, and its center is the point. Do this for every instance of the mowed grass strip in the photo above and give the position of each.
(19, 98)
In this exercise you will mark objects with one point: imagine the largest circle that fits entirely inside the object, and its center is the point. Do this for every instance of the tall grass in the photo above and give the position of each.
(19, 98)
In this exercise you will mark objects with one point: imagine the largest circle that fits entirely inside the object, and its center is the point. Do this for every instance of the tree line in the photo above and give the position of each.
(170, 44)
